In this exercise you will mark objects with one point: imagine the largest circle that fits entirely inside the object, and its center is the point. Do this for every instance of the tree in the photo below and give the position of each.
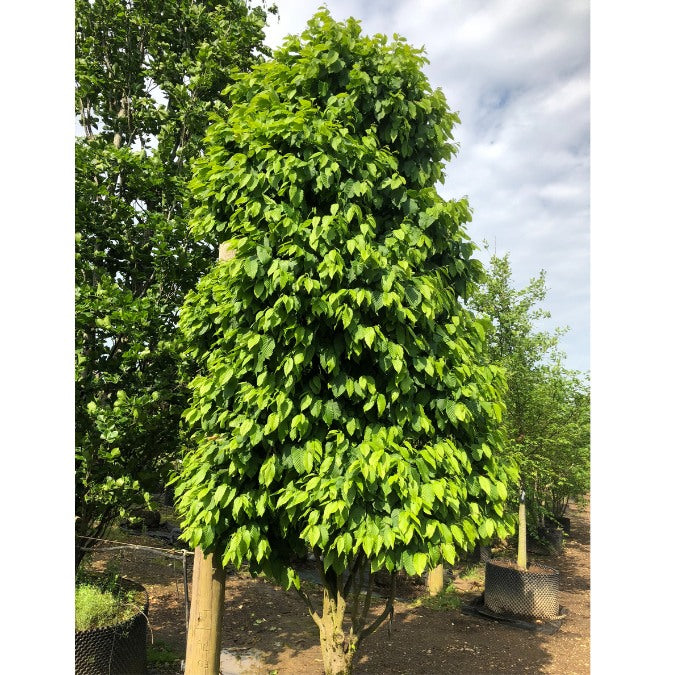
(554, 454)
(148, 74)
(344, 403)
(548, 406)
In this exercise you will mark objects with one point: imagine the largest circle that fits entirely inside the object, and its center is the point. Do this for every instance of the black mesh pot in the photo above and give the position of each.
(479, 554)
(169, 495)
(552, 538)
(531, 594)
(114, 650)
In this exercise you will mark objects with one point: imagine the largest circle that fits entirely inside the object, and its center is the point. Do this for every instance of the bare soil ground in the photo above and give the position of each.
(262, 619)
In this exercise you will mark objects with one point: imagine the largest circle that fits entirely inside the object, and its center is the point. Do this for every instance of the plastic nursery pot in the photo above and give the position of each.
(116, 650)
(552, 537)
(148, 518)
(169, 496)
(480, 554)
(530, 594)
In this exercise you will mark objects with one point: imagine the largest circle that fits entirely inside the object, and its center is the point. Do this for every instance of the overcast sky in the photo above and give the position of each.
(517, 73)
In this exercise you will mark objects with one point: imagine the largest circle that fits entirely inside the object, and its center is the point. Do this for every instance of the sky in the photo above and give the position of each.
(517, 72)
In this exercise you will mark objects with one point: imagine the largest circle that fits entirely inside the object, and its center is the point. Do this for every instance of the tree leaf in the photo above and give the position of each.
(420, 562)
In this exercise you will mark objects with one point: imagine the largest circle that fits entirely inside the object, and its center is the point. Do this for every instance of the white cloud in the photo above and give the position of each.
(518, 73)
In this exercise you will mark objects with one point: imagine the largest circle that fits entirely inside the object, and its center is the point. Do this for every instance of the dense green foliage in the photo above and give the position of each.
(148, 73)
(344, 401)
(548, 406)
(556, 456)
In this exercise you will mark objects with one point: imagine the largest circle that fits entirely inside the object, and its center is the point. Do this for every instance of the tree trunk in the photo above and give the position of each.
(335, 660)
(337, 649)
(87, 531)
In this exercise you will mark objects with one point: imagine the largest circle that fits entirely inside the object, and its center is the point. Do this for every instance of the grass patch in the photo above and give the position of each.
(447, 599)
(160, 653)
(100, 603)
(472, 573)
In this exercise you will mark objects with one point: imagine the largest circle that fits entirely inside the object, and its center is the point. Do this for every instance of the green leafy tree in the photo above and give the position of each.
(148, 74)
(344, 403)
(548, 406)
(554, 453)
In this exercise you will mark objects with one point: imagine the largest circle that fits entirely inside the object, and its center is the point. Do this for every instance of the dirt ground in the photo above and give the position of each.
(262, 620)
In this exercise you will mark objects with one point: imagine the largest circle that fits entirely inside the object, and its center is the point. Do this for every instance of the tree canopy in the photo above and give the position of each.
(547, 422)
(344, 402)
(148, 74)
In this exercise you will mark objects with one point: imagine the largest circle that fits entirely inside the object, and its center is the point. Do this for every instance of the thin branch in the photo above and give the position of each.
(310, 606)
(388, 611)
(85, 119)
(357, 598)
(329, 584)
(366, 603)
(350, 577)
(116, 345)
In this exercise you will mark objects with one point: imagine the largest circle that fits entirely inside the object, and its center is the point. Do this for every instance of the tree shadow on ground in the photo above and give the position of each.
(273, 625)
(427, 641)
(422, 641)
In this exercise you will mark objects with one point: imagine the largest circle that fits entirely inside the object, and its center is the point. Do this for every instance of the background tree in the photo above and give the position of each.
(148, 74)
(344, 403)
(548, 406)
(554, 454)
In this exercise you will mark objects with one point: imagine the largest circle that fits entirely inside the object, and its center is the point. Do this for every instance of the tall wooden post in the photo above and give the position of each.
(208, 597)
(522, 534)
(435, 580)
(206, 613)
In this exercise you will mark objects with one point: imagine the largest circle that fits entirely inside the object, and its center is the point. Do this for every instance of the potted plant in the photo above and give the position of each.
(520, 590)
(110, 627)
(551, 536)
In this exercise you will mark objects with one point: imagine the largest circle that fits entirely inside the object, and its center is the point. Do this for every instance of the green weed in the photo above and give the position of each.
(447, 599)
(471, 573)
(160, 653)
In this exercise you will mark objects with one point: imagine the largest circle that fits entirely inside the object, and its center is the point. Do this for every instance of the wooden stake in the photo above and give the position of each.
(186, 594)
(522, 534)
(208, 596)
(435, 580)
(206, 612)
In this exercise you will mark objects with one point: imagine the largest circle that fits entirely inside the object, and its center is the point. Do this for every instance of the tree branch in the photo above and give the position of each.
(310, 606)
(329, 584)
(366, 604)
(350, 577)
(388, 610)
(357, 597)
